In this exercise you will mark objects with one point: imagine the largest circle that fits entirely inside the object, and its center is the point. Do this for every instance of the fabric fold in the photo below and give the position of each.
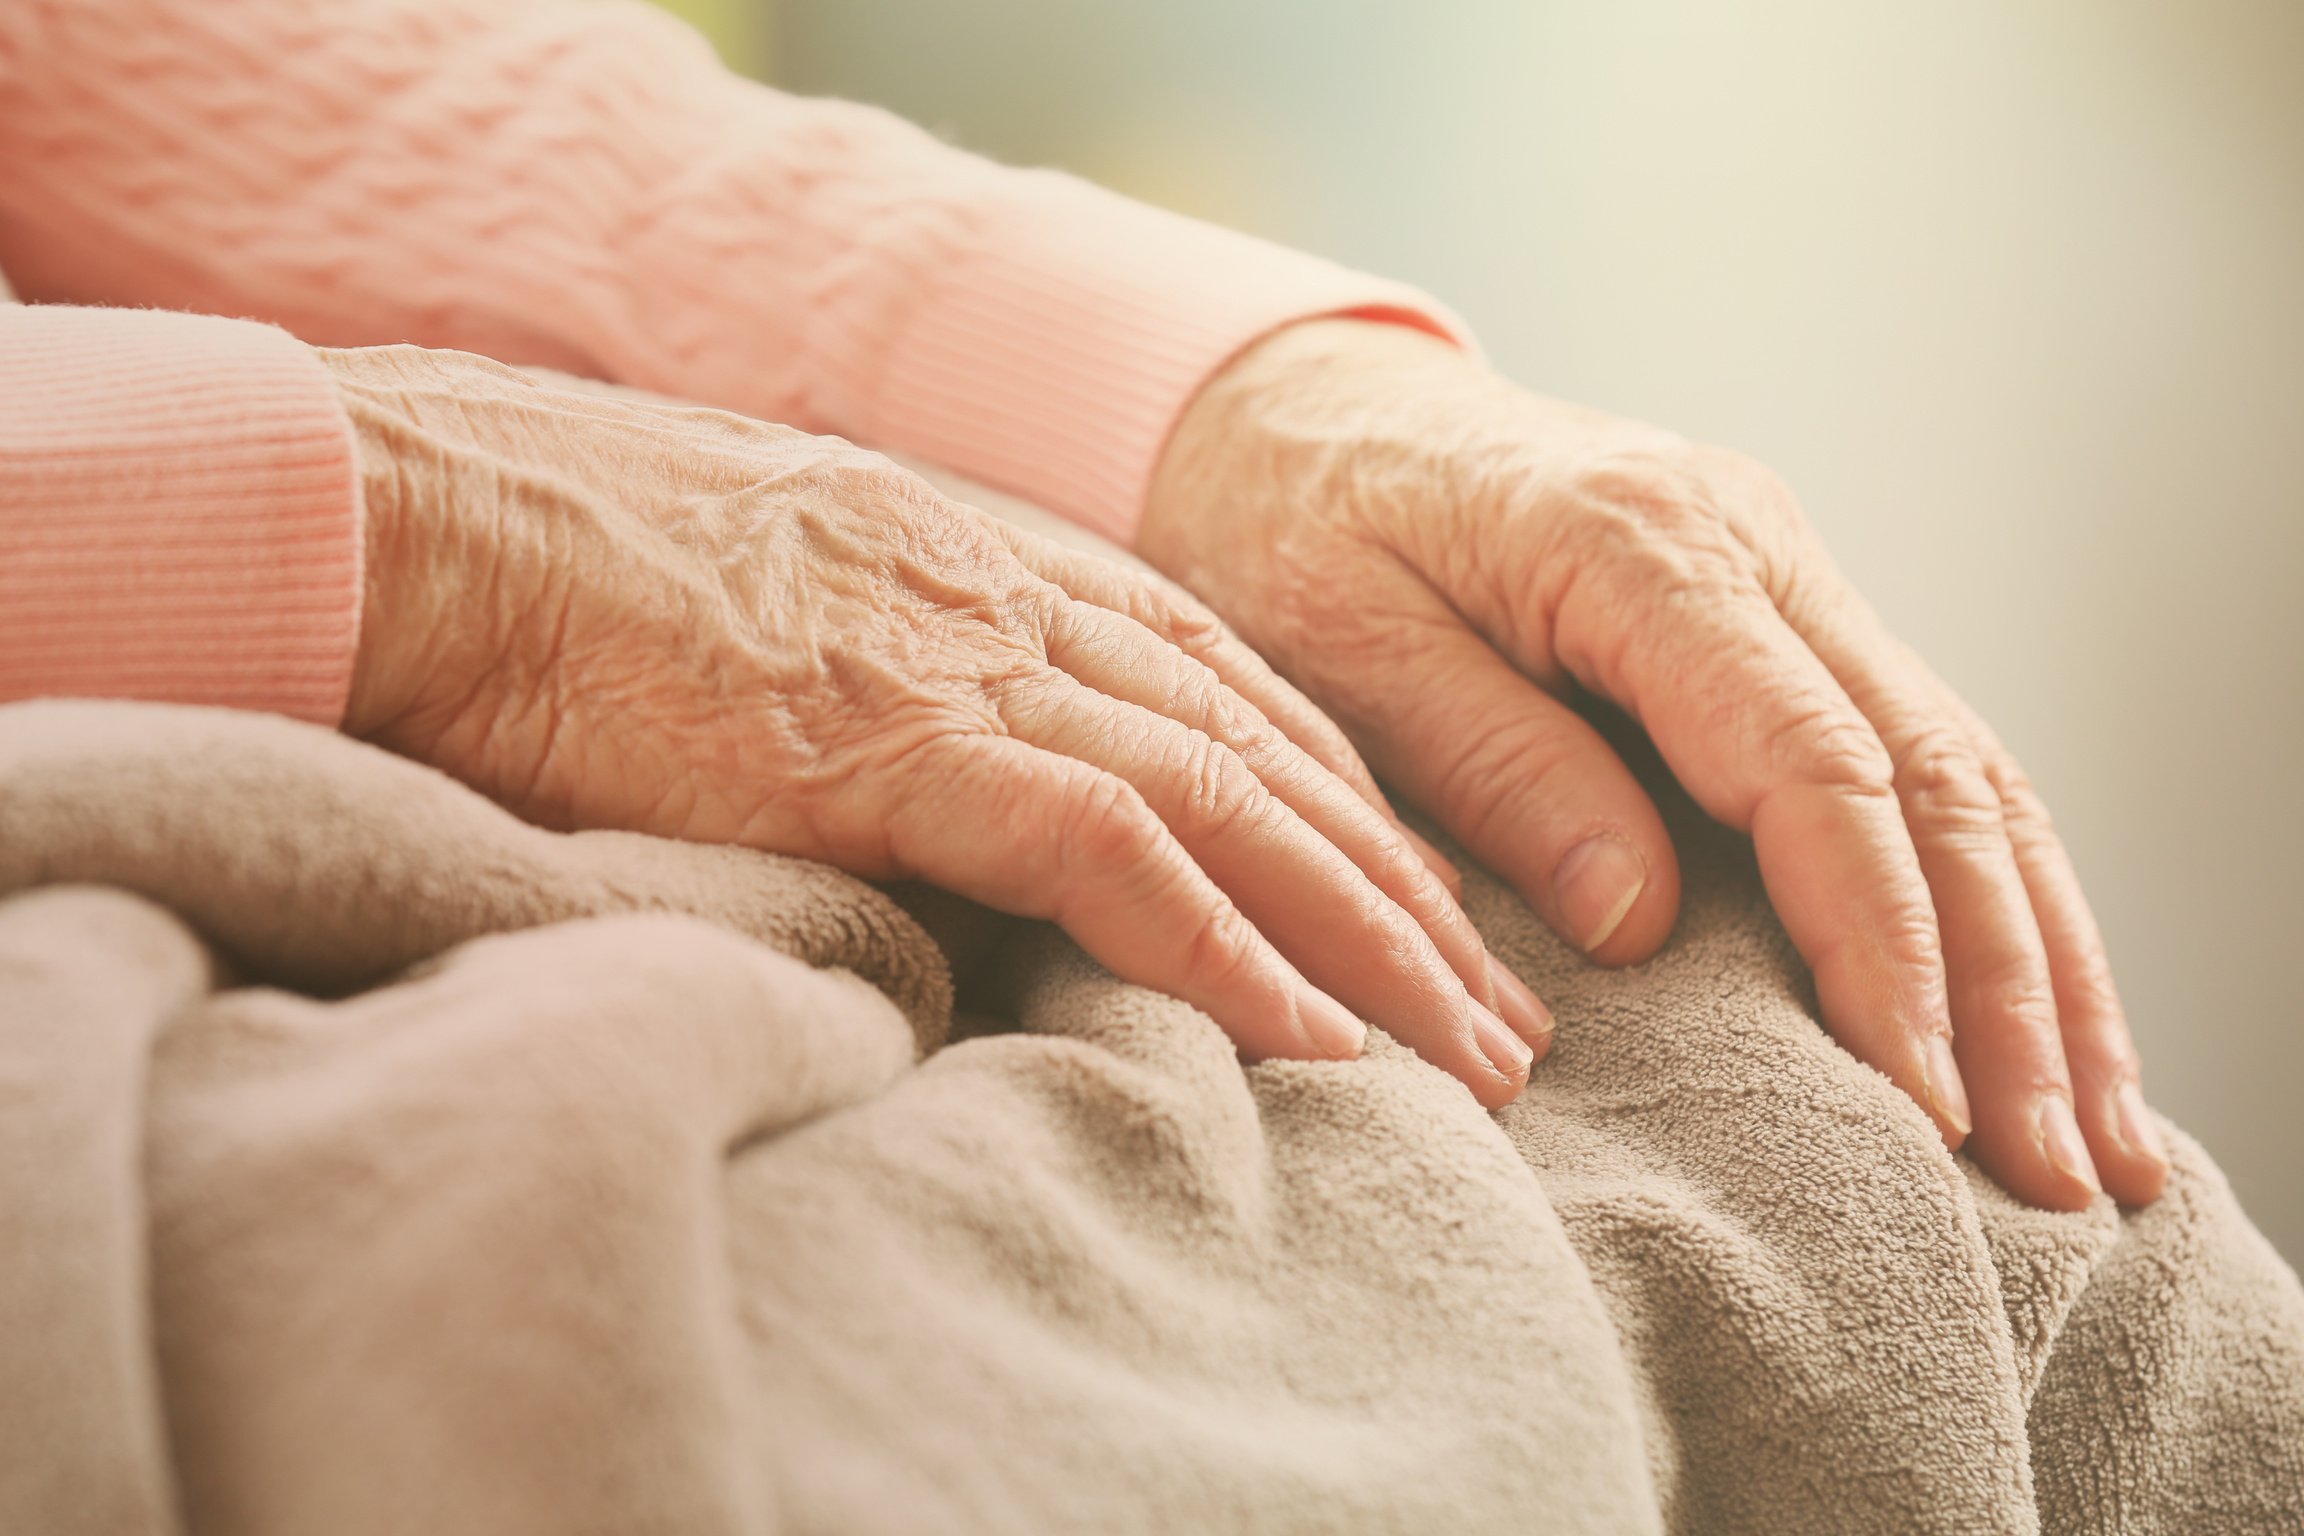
(507, 1180)
(88, 979)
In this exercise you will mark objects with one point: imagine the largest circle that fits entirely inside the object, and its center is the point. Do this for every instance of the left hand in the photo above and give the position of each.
(1434, 556)
(615, 614)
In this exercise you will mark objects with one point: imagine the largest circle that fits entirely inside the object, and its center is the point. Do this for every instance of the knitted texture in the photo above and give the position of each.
(586, 187)
(179, 517)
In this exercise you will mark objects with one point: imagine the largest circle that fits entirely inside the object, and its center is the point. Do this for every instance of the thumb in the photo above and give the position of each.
(1528, 786)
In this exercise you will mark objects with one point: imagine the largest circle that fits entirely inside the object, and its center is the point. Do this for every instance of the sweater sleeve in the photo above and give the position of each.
(585, 186)
(179, 513)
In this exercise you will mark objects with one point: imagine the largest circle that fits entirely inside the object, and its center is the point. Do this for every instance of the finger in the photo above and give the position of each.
(1041, 835)
(1518, 778)
(1443, 868)
(1118, 657)
(1765, 739)
(1299, 890)
(2005, 1034)
(2106, 1077)
(1181, 619)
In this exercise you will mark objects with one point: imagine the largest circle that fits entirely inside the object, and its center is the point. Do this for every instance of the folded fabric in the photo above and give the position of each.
(371, 1162)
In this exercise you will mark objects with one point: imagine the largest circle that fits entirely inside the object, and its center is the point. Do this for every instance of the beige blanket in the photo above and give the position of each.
(370, 1162)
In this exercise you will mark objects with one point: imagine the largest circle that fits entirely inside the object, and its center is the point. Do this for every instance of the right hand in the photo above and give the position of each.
(605, 613)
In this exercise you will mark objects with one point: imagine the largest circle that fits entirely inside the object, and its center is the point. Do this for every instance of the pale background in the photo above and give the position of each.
(2014, 295)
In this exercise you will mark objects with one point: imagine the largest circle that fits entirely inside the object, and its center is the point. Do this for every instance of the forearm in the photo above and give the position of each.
(585, 186)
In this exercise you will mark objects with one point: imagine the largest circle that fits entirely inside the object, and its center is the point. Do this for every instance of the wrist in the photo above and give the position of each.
(368, 704)
(389, 483)
(1278, 417)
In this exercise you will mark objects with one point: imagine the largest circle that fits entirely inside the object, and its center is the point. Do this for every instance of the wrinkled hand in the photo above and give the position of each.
(605, 613)
(1436, 556)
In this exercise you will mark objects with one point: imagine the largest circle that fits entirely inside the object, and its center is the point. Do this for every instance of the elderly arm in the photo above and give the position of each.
(585, 186)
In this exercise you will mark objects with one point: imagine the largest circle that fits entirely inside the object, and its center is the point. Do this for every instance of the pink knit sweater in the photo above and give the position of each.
(581, 186)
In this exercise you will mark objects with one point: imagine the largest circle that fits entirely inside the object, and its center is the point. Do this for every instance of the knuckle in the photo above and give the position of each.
(1765, 517)
(1191, 692)
(1834, 746)
(1182, 618)
(1695, 515)
(1108, 826)
(2022, 809)
(1695, 494)
(2014, 991)
(1219, 789)
(1642, 515)
(1664, 486)
(1910, 936)
(1254, 737)
(1223, 950)
(1944, 788)
(1633, 605)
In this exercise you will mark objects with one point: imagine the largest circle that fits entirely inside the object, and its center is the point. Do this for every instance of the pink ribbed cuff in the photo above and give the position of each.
(1054, 356)
(179, 513)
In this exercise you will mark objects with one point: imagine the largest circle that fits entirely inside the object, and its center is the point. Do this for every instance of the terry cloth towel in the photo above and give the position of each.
(371, 1162)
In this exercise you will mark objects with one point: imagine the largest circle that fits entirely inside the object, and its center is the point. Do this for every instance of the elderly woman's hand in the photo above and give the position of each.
(613, 614)
(1435, 556)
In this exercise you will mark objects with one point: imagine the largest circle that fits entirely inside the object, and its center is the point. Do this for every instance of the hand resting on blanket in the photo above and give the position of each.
(1437, 557)
(609, 613)
(606, 613)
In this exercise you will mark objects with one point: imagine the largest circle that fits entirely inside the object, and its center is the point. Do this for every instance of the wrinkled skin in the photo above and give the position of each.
(606, 613)
(1440, 559)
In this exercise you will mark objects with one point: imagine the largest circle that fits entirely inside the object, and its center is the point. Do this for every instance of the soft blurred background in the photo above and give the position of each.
(2013, 295)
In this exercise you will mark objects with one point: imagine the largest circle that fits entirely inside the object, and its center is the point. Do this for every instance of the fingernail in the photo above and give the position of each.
(1947, 1094)
(1596, 885)
(2060, 1139)
(1328, 1024)
(1506, 1051)
(1522, 1009)
(2135, 1127)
